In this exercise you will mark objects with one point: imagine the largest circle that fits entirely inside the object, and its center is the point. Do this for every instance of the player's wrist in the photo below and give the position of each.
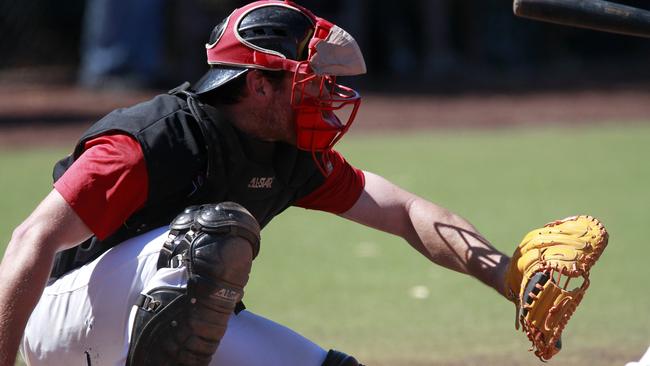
(501, 284)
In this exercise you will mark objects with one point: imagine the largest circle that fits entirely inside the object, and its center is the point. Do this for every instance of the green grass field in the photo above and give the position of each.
(349, 287)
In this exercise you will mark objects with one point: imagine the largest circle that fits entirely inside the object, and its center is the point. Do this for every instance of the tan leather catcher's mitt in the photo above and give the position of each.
(544, 277)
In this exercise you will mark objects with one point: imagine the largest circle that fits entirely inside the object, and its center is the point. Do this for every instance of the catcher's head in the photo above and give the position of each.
(283, 36)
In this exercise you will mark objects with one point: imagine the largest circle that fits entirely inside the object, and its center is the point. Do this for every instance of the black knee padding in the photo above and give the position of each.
(230, 218)
(216, 244)
(221, 243)
(222, 219)
(337, 358)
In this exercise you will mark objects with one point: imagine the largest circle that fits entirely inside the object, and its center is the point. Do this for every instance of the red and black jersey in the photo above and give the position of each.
(138, 167)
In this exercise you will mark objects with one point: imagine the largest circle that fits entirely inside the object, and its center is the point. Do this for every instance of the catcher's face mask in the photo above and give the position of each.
(281, 35)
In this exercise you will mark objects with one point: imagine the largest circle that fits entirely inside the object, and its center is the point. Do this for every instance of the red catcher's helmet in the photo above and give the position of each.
(281, 35)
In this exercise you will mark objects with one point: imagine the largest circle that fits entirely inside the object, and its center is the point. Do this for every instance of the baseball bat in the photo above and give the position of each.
(592, 14)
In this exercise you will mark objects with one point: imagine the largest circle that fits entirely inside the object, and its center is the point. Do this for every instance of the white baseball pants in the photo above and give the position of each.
(85, 317)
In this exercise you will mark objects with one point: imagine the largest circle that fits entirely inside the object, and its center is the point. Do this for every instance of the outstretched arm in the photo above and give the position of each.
(440, 235)
(25, 268)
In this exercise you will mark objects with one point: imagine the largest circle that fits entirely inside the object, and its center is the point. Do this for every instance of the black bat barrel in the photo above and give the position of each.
(592, 14)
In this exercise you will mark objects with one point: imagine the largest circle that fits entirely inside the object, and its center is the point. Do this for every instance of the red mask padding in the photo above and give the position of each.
(324, 109)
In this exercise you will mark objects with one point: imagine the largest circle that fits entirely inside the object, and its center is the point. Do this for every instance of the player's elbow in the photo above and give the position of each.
(28, 231)
(29, 236)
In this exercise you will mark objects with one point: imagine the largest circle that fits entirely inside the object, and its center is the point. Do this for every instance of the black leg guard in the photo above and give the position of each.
(217, 244)
(336, 358)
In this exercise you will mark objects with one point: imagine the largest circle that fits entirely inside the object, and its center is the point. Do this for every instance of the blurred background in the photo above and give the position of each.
(509, 122)
(461, 62)
(412, 45)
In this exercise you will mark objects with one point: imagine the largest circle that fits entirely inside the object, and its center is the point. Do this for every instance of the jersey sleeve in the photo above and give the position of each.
(107, 183)
(340, 190)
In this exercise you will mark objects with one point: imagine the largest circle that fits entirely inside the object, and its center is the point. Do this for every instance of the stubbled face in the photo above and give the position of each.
(281, 116)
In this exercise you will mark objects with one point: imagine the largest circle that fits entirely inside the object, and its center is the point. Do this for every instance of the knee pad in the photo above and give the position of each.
(336, 358)
(173, 326)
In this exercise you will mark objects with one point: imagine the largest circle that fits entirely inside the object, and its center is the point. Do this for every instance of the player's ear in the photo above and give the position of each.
(257, 86)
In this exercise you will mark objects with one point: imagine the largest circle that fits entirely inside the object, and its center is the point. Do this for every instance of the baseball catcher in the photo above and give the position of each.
(542, 270)
(141, 252)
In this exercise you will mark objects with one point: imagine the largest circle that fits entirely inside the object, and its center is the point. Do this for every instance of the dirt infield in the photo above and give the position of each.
(55, 115)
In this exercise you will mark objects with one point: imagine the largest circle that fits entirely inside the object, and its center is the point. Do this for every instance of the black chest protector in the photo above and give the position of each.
(194, 156)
